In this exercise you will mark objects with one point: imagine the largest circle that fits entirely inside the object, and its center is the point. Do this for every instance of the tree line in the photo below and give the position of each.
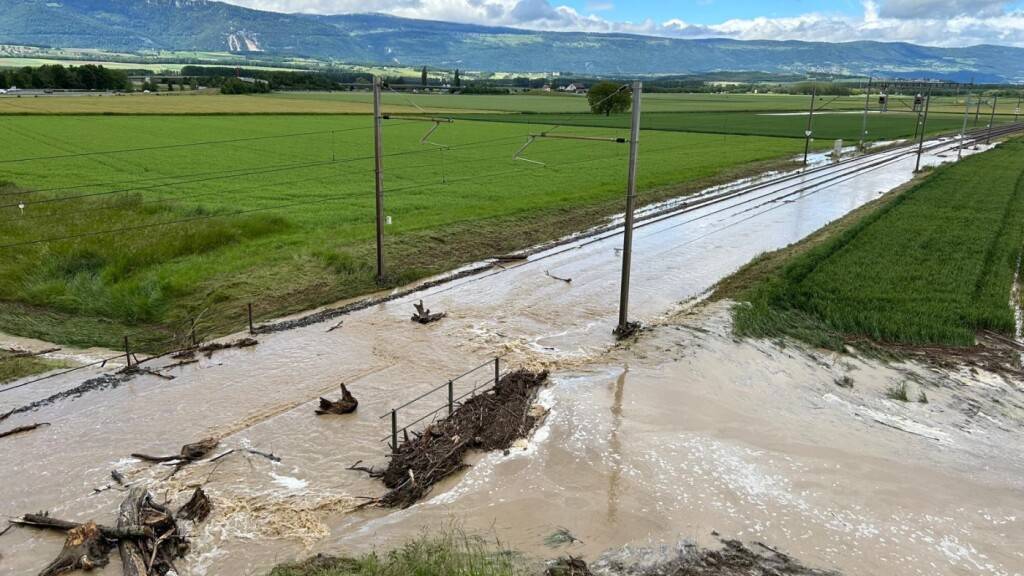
(58, 77)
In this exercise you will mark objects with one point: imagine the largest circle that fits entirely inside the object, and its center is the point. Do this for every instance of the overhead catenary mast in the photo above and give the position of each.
(864, 122)
(810, 119)
(625, 327)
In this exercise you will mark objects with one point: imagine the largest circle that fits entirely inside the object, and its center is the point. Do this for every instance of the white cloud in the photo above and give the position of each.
(928, 22)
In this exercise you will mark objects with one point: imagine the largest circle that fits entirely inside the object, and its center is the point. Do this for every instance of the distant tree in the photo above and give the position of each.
(423, 77)
(608, 98)
(458, 79)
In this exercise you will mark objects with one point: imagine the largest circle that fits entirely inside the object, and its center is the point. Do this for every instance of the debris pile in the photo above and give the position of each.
(734, 558)
(490, 421)
(147, 536)
(209, 349)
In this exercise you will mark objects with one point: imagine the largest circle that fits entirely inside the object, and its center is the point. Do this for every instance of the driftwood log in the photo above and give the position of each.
(198, 507)
(346, 405)
(189, 452)
(21, 429)
(154, 555)
(46, 522)
(423, 315)
(84, 549)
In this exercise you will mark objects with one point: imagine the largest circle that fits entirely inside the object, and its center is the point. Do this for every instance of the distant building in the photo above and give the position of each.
(546, 88)
(577, 88)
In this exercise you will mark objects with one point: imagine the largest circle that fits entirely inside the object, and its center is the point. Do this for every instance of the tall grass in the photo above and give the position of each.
(450, 553)
(933, 267)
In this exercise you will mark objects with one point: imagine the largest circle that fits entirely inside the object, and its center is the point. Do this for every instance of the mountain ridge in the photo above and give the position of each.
(208, 25)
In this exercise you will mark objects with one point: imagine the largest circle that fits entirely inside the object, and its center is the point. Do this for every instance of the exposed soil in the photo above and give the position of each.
(490, 421)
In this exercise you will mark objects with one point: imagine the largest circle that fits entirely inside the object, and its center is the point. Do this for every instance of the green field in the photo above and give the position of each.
(556, 103)
(826, 126)
(279, 211)
(933, 266)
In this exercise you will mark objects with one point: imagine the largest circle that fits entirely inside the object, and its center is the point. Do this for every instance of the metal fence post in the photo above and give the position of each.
(451, 397)
(251, 330)
(497, 371)
(394, 431)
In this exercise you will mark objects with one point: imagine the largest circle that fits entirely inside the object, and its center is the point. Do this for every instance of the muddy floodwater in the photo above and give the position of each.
(682, 433)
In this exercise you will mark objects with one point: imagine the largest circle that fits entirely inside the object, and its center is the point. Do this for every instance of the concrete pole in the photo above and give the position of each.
(810, 123)
(864, 123)
(991, 119)
(624, 328)
(924, 124)
(963, 131)
(379, 173)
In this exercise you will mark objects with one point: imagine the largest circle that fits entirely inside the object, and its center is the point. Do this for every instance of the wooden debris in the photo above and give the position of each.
(568, 566)
(135, 369)
(43, 521)
(198, 507)
(84, 549)
(423, 315)
(21, 429)
(566, 280)
(212, 347)
(346, 405)
(493, 420)
(336, 326)
(189, 452)
(180, 364)
(154, 555)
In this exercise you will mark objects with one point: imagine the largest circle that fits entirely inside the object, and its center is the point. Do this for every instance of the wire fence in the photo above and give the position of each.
(481, 379)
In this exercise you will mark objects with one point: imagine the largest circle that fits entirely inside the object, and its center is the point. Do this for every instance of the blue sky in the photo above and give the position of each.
(928, 22)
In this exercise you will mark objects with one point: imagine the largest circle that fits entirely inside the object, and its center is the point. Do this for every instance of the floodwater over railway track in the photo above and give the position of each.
(614, 465)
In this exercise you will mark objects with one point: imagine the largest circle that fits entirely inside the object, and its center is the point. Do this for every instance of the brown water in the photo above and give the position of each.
(626, 469)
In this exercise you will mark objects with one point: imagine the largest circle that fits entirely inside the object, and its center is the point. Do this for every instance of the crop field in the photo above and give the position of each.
(187, 103)
(144, 224)
(826, 125)
(933, 266)
(559, 103)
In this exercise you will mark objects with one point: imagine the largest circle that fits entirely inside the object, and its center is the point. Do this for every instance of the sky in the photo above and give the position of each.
(928, 22)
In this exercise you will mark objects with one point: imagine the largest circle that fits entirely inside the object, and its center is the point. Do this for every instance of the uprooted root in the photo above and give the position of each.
(490, 421)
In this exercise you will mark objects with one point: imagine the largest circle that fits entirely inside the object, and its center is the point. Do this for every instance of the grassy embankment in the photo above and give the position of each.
(287, 222)
(932, 264)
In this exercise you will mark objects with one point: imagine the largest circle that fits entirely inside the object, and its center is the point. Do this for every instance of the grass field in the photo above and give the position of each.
(826, 126)
(554, 103)
(933, 266)
(278, 210)
(187, 103)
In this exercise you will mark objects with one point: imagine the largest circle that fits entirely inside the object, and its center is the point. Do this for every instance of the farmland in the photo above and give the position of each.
(827, 126)
(933, 266)
(144, 224)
